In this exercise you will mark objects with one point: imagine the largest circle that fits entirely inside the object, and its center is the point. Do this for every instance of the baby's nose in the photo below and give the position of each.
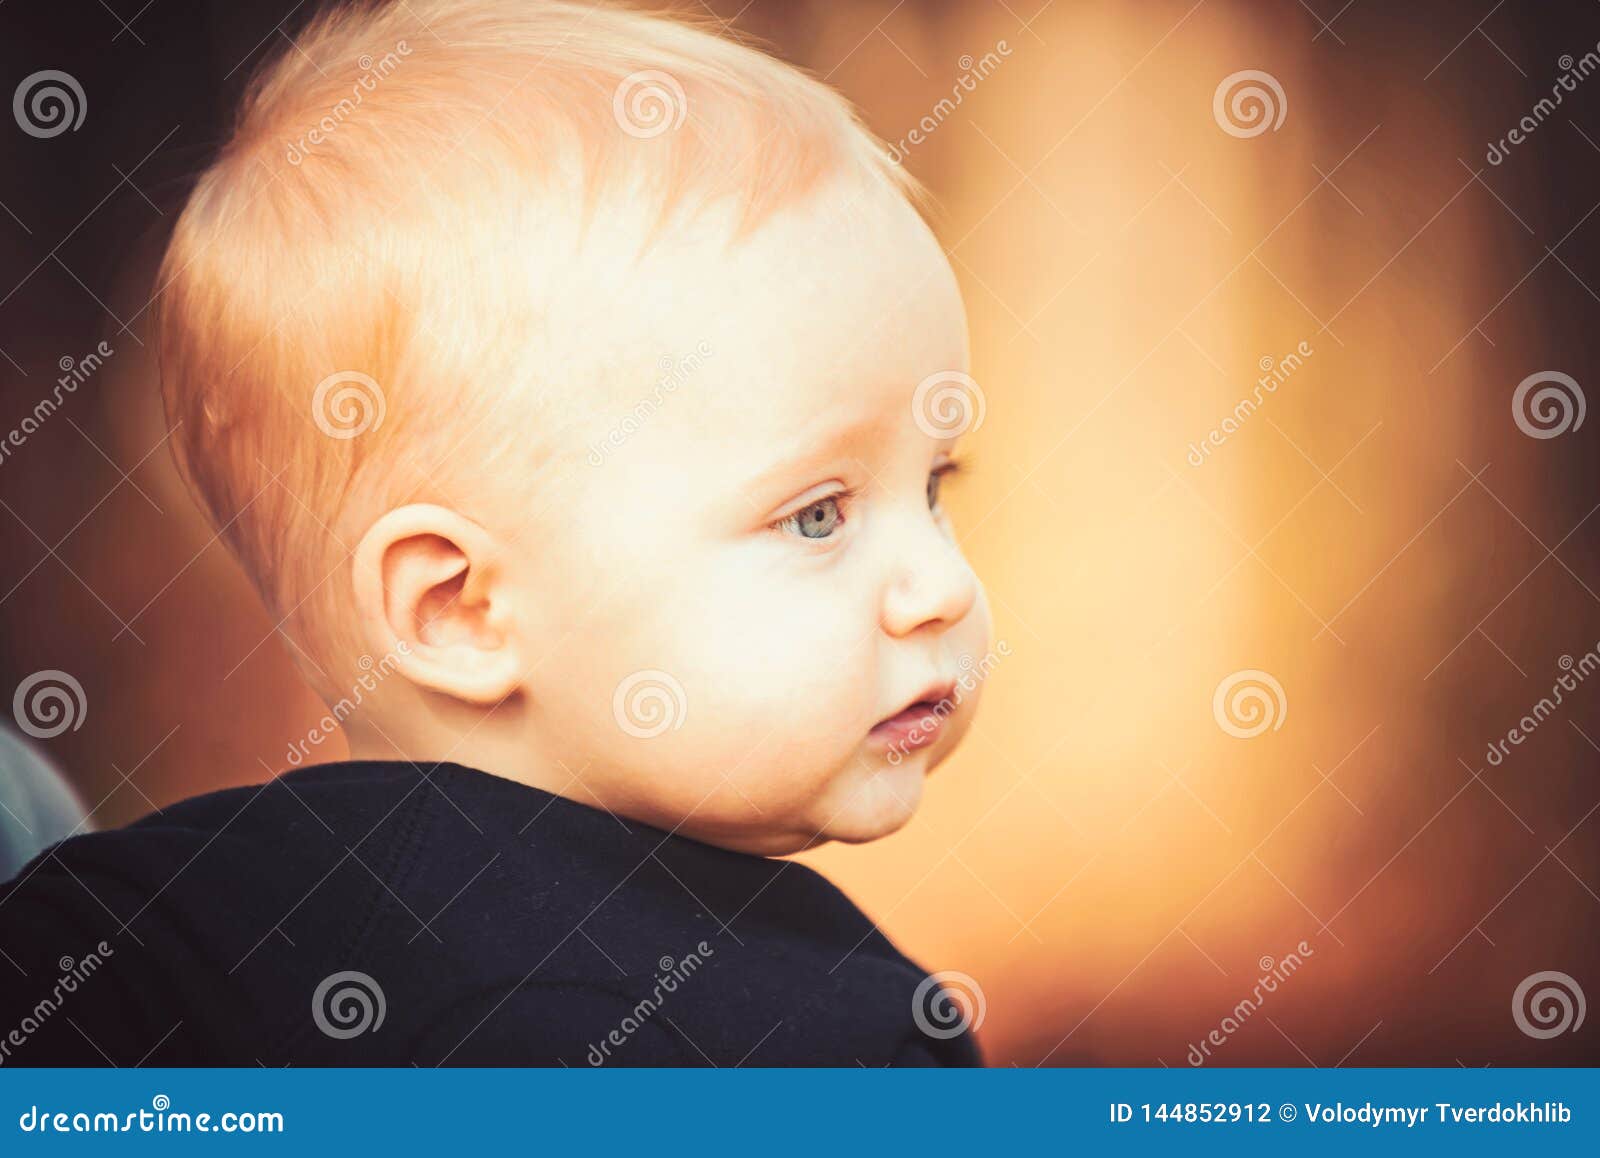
(931, 582)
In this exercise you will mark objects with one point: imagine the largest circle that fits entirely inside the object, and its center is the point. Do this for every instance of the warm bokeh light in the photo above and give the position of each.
(1109, 865)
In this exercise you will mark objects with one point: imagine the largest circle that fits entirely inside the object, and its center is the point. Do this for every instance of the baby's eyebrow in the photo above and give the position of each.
(824, 446)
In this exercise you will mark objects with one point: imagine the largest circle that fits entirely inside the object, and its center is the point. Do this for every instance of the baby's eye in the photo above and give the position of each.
(934, 477)
(816, 521)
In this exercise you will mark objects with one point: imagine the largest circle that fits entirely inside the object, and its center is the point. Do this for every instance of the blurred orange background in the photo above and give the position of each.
(1110, 866)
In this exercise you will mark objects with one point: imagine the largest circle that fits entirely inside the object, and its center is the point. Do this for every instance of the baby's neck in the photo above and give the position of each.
(370, 741)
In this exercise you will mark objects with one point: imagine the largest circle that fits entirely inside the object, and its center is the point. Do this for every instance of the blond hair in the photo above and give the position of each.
(337, 306)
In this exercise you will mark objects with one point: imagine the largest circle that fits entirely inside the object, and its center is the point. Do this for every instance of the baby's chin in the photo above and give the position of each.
(864, 803)
(872, 800)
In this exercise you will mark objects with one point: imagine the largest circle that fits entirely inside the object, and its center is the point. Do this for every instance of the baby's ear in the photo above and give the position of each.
(430, 590)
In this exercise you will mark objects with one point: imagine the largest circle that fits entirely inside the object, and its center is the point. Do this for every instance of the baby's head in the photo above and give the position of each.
(576, 386)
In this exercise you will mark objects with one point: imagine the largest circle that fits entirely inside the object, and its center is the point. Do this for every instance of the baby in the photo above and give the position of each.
(576, 387)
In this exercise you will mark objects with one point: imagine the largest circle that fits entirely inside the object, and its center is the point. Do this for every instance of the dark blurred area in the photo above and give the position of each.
(1113, 869)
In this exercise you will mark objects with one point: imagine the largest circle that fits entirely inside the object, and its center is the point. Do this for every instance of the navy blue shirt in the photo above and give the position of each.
(375, 913)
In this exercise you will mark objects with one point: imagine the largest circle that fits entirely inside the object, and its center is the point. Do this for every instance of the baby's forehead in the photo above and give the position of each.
(699, 346)
(807, 308)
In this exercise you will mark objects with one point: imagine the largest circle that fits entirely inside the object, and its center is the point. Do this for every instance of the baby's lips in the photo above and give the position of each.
(914, 727)
(919, 722)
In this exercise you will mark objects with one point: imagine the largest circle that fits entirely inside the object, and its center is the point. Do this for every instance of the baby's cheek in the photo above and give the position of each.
(779, 701)
(773, 675)
(766, 639)
(792, 673)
